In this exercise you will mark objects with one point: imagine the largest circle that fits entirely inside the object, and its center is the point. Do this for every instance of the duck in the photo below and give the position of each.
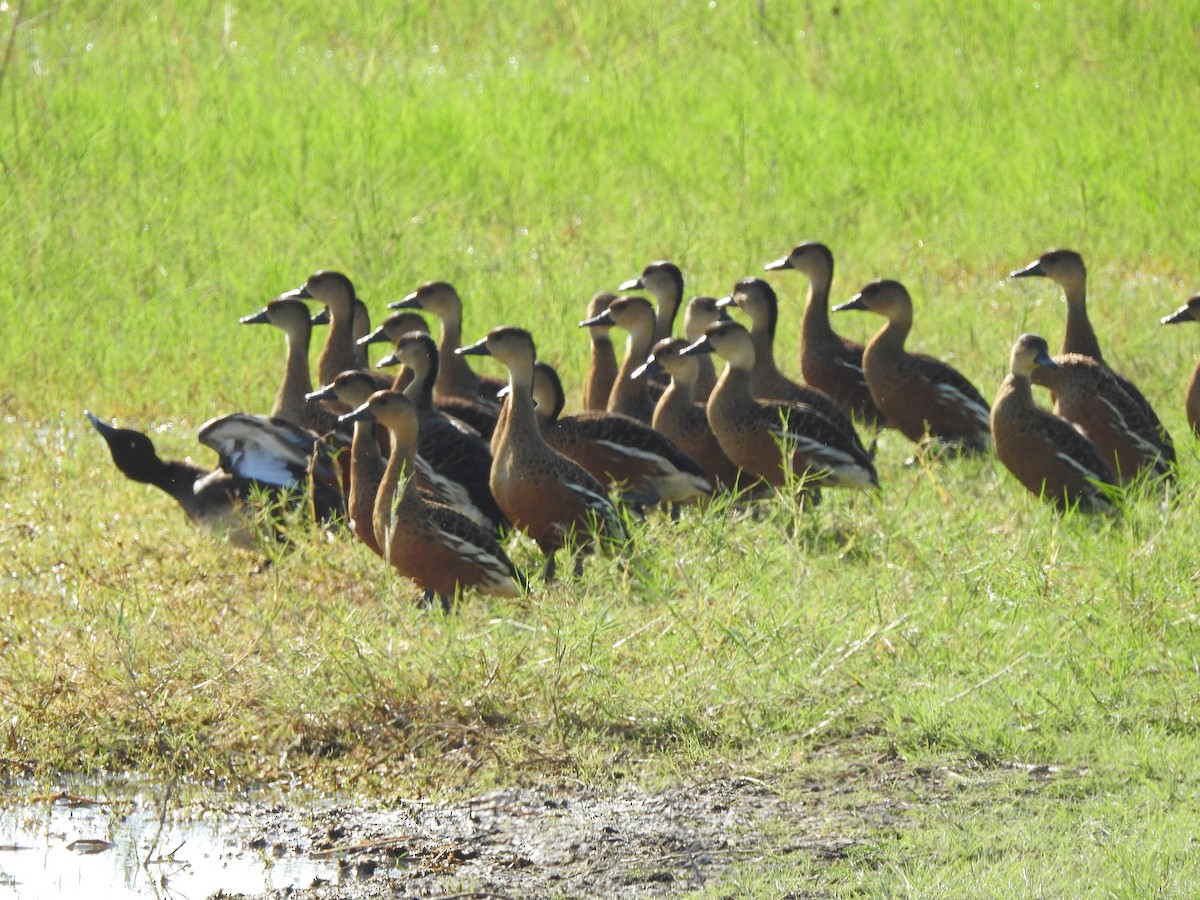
(1067, 270)
(336, 292)
(440, 549)
(1088, 396)
(360, 328)
(635, 315)
(664, 281)
(291, 316)
(757, 299)
(602, 363)
(257, 455)
(700, 312)
(478, 415)
(1043, 451)
(922, 397)
(368, 459)
(683, 420)
(630, 457)
(455, 378)
(453, 448)
(771, 439)
(1189, 312)
(554, 500)
(829, 362)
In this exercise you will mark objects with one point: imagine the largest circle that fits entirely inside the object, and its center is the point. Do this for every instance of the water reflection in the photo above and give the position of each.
(121, 846)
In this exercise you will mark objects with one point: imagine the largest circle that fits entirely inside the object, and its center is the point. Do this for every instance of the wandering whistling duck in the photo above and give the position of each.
(1189, 312)
(921, 396)
(664, 281)
(636, 315)
(455, 378)
(552, 499)
(440, 549)
(353, 388)
(602, 364)
(828, 362)
(678, 416)
(775, 440)
(257, 453)
(292, 317)
(1088, 396)
(756, 298)
(1066, 269)
(629, 456)
(453, 448)
(1043, 451)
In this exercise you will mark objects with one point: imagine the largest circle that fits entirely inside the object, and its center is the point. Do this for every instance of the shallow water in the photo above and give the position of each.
(55, 846)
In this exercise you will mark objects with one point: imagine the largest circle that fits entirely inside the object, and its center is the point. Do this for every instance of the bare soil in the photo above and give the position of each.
(570, 840)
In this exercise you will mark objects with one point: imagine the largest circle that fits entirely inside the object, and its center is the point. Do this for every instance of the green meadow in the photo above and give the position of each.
(167, 171)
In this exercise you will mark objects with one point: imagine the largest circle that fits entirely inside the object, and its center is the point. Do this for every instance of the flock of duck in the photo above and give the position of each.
(433, 466)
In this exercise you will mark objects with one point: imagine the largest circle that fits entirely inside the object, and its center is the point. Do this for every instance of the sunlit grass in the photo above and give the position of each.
(167, 172)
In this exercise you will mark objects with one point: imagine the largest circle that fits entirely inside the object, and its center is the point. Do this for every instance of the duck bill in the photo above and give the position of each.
(362, 414)
(479, 348)
(258, 318)
(633, 284)
(390, 360)
(700, 346)
(411, 301)
(1183, 314)
(378, 336)
(650, 367)
(855, 302)
(321, 317)
(106, 430)
(325, 393)
(1033, 270)
(300, 293)
(776, 265)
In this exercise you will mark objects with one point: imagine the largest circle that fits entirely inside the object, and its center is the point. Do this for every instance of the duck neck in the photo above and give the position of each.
(602, 372)
(420, 387)
(339, 353)
(1079, 336)
(664, 316)
(732, 391)
(815, 326)
(520, 423)
(763, 335)
(397, 488)
(455, 377)
(297, 378)
(894, 333)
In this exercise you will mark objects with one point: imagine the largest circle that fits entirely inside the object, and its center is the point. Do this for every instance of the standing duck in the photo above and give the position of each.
(455, 378)
(757, 300)
(440, 549)
(552, 499)
(1088, 395)
(628, 456)
(922, 397)
(678, 416)
(828, 362)
(1066, 269)
(1189, 312)
(770, 439)
(635, 314)
(256, 454)
(1044, 452)
(664, 281)
(602, 363)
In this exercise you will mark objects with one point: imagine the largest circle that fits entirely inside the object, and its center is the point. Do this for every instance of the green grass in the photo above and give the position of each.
(167, 173)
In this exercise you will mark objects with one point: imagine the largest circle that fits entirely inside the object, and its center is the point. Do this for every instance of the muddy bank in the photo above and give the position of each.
(559, 841)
